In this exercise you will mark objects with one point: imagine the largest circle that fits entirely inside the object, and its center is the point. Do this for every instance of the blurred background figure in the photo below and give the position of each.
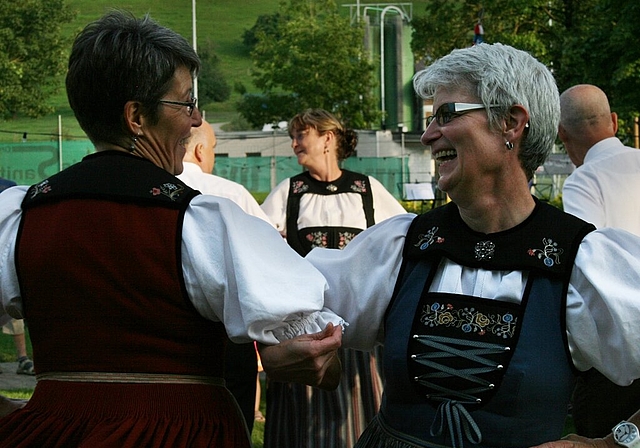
(15, 327)
(241, 363)
(198, 163)
(326, 207)
(604, 190)
(6, 183)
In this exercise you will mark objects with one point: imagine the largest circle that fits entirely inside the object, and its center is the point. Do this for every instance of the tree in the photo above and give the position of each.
(524, 24)
(32, 55)
(267, 24)
(582, 41)
(212, 85)
(317, 60)
(599, 48)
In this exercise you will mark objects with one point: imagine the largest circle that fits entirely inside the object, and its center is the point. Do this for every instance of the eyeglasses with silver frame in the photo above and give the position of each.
(448, 111)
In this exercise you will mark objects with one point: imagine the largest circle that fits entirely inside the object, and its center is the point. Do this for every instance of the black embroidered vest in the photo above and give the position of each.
(303, 240)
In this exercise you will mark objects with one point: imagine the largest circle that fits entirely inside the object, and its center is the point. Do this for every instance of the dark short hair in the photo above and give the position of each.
(120, 58)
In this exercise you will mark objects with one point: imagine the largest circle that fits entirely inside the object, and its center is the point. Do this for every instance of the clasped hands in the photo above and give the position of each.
(310, 359)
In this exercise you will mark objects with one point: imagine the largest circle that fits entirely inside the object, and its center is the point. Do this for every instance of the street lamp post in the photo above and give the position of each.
(195, 44)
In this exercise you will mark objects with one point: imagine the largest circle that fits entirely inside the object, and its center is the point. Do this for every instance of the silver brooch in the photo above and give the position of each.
(332, 188)
(485, 250)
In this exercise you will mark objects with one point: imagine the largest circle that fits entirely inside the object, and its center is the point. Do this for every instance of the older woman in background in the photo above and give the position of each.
(130, 279)
(326, 206)
(490, 305)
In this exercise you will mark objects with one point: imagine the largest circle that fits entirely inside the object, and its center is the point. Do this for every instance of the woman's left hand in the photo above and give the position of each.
(309, 359)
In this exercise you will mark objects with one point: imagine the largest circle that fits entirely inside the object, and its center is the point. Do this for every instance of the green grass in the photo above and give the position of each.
(221, 22)
(8, 349)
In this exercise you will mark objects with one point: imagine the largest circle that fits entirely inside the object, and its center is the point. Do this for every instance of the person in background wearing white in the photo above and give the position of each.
(605, 191)
(241, 360)
(15, 327)
(326, 207)
(198, 163)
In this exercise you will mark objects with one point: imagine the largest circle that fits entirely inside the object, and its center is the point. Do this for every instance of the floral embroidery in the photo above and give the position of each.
(550, 250)
(427, 239)
(172, 191)
(320, 239)
(299, 186)
(345, 238)
(469, 320)
(43, 187)
(317, 239)
(485, 250)
(359, 186)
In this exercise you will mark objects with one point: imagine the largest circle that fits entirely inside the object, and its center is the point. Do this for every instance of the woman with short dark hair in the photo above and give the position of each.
(132, 282)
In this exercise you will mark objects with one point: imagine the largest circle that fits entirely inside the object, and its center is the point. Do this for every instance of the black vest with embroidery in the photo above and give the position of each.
(305, 239)
(473, 370)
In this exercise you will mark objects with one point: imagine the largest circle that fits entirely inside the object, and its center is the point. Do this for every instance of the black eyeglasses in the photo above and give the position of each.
(448, 111)
(190, 105)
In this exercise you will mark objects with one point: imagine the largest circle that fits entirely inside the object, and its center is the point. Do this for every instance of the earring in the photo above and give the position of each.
(509, 145)
(134, 139)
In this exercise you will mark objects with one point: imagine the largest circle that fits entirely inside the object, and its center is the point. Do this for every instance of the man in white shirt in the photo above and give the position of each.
(198, 163)
(605, 187)
(604, 190)
(241, 363)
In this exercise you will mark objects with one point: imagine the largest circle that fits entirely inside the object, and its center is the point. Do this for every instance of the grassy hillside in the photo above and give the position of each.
(221, 22)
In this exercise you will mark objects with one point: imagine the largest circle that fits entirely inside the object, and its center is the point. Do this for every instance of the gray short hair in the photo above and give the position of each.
(501, 75)
(120, 58)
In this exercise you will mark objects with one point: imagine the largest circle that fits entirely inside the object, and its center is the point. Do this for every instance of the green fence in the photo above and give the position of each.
(256, 173)
(30, 162)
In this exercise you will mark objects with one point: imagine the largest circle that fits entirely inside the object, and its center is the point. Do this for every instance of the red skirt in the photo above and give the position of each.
(77, 414)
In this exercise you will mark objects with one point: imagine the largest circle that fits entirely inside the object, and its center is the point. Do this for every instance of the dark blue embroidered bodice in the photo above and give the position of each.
(468, 370)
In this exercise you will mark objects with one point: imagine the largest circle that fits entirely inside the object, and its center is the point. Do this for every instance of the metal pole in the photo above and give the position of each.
(60, 140)
(273, 158)
(195, 45)
(636, 133)
(401, 128)
(382, 98)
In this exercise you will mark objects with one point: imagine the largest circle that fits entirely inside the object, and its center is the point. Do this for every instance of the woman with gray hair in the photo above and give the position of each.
(489, 306)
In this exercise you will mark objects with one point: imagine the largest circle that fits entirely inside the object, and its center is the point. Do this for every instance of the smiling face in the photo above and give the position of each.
(163, 142)
(310, 147)
(468, 154)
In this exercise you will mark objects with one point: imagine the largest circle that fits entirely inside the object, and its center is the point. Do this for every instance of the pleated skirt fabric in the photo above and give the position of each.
(300, 416)
(96, 415)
